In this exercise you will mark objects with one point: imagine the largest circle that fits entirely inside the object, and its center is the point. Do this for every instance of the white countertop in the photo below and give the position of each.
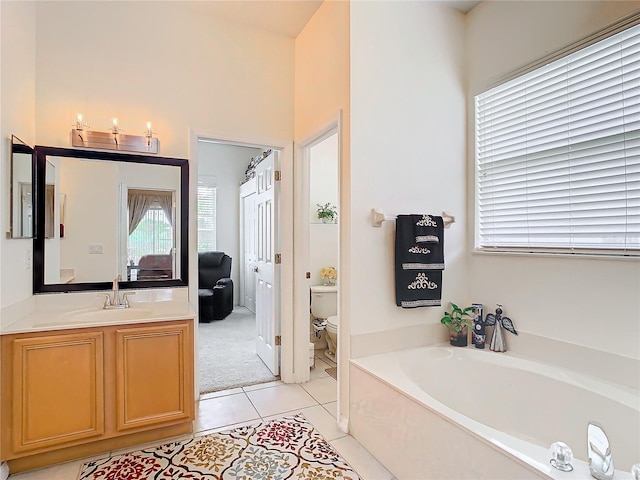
(82, 310)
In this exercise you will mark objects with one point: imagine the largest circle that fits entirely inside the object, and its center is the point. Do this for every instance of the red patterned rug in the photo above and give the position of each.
(284, 448)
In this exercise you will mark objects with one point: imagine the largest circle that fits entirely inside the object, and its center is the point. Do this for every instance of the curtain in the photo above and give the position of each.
(165, 199)
(49, 213)
(139, 202)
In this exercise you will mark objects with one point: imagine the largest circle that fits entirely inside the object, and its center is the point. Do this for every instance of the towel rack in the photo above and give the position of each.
(377, 217)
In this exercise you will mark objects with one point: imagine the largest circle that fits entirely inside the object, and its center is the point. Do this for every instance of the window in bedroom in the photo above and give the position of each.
(558, 154)
(206, 213)
(150, 223)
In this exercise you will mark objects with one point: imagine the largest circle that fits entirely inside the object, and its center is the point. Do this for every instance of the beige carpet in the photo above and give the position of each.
(227, 353)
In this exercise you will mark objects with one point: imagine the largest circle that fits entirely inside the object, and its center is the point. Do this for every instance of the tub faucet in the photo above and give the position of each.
(114, 300)
(599, 453)
(498, 343)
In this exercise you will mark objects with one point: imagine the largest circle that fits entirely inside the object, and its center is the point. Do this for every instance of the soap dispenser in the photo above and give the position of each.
(479, 334)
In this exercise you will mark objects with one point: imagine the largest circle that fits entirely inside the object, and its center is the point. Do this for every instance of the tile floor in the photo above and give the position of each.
(227, 409)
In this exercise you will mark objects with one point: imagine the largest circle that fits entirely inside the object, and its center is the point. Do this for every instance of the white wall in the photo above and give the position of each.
(91, 218)
(163, 62)
(17, 100)
(589, 302)
(140, 61)
(324, 237)
(228, 164)
(407, 156)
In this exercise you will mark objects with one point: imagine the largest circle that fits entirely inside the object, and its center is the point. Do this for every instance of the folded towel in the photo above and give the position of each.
(419, 242)
(419, 260)
(418, 288)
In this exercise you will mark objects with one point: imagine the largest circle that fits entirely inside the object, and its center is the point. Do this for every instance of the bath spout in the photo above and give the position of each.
(599, 453)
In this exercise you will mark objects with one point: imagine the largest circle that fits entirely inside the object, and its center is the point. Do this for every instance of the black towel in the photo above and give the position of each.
(416, 288)
(419, 260)
(420, 242)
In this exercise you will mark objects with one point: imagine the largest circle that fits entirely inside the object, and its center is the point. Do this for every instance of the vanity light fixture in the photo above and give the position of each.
(114, 139)
(80, 124)
(148, 133)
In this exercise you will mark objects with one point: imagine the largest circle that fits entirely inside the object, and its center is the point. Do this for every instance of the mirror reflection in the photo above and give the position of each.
(109, 214)
(21, 191)
(119, 219)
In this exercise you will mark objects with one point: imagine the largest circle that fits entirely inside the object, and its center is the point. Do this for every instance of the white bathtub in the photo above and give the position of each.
(446, 412)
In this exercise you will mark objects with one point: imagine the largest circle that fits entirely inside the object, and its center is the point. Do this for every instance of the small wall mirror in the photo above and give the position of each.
(103, 214)
(21, 190)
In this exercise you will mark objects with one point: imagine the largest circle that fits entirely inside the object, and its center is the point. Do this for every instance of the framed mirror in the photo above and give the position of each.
(113, 214)
(21, 190)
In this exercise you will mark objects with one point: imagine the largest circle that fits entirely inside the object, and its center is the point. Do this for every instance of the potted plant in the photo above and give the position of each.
(327, 213)
(457, 321)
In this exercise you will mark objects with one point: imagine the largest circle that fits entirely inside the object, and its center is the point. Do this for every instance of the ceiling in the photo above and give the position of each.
(286, 17)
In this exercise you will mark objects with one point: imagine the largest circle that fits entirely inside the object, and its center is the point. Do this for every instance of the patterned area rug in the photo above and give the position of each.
(284, 448)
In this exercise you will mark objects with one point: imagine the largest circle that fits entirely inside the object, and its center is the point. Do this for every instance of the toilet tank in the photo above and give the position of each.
(324, 301)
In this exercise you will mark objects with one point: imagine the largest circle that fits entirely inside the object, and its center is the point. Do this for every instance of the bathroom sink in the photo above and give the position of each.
(89, 316)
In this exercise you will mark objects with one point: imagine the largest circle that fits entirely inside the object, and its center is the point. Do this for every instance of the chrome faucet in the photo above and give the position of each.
(114, 300)
(599, 453)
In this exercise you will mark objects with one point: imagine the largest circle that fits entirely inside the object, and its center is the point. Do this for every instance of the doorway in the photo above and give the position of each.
(237, 215)
(309, 231)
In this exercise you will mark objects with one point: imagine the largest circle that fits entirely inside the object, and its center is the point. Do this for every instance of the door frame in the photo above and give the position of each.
(289, 349)
(301, 250)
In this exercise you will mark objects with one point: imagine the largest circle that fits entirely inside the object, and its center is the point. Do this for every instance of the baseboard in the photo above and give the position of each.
(4, 471)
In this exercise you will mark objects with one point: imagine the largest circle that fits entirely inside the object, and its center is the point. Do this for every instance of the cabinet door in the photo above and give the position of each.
(154, 375)
(58, 389)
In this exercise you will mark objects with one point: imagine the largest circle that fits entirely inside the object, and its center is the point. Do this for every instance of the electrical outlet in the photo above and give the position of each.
(96, 249)
(27, 260)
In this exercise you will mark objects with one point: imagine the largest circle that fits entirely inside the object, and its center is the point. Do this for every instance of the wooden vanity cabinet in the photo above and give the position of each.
(71, 393)
(57, 389)
(151, 375)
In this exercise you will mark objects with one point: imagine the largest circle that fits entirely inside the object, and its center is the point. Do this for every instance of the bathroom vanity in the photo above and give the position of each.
(86, 380)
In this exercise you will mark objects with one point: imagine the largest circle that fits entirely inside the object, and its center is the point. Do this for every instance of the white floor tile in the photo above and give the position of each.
(260, 386)
(319, 371)
(323, 389)
(280, 399)
(360, 459)
(226, 427)
(332, 408)
(64, 471)
(221, 393)
(223, 411)
(323, 422)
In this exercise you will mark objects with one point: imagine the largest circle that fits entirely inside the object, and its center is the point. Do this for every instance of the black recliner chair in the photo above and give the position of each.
(215, 287)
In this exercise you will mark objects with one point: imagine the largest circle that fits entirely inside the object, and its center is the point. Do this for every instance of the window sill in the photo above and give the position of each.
(563, 255)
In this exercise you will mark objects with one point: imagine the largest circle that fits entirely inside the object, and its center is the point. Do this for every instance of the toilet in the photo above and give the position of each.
(324, 308)
(332, 338)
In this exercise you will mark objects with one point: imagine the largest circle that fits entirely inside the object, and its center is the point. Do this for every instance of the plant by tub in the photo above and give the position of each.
(327, 212)
(457, 321)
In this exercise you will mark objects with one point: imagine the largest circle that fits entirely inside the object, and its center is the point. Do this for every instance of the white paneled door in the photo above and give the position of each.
(267, 271)
(249, 244)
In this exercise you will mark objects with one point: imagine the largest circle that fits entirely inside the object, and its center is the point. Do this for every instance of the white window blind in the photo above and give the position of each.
(206, 213)
(153, 235)
(558, 154)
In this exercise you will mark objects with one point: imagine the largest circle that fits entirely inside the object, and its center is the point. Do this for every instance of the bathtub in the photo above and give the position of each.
(455, 413)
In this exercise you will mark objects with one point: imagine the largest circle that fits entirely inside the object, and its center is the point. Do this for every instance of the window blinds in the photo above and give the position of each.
(206, 213)
(558, 153)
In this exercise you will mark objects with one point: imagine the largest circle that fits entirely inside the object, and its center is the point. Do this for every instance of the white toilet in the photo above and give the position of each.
(324, 305)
